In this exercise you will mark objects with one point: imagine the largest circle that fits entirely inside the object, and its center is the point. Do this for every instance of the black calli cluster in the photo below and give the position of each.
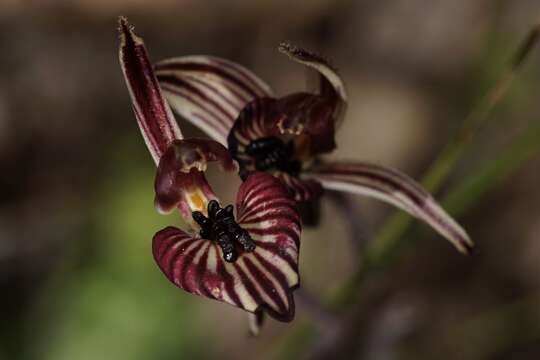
(273, 153)
(221, 227)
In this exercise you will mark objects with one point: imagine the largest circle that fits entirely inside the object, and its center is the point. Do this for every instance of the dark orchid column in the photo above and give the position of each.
(247, 258)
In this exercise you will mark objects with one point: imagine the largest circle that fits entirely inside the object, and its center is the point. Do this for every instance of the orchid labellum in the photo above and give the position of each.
(248, 259)
(285, 136)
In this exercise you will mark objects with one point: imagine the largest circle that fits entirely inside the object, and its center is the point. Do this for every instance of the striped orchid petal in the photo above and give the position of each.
(301, 190)
(395, 188)
(331, 86)
(281, 133)
(209, 91)
(180, 181)
(154, 117)
(256, 121)
(262, 279)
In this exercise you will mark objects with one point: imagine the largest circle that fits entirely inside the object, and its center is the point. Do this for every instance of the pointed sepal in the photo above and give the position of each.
(394, 187)
(154, 117)
(331, 85)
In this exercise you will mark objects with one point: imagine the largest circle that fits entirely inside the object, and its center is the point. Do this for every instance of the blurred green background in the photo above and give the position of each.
(77, 277)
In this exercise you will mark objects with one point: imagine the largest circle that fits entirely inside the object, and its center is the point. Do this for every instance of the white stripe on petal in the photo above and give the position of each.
(393, 187)
(222, 89)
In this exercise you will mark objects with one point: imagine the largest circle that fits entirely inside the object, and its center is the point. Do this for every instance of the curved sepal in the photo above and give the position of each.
(260, 280)
(180, 181)
(156, 122)
(209, 91)
(331, 86)
(395, 188)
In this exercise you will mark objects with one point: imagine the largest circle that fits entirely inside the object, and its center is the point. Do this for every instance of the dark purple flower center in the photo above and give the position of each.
(221, 227)
(273, 153)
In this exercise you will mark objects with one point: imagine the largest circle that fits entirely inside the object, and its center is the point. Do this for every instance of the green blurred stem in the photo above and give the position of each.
(459, 200)
(492, 174)
(436, 175)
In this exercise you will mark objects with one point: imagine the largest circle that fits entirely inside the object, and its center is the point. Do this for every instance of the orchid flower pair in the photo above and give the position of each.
(250, 260)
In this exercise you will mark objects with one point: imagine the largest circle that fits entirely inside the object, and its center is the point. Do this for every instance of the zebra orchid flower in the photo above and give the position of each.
(286, 136)
(247, 258)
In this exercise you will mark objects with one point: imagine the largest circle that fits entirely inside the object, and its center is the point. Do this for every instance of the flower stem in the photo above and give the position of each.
(459, 200)
(436, 175)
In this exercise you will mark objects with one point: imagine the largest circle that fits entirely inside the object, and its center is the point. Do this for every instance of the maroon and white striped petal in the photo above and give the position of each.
(260, 280)
(157, 124)
(257, 120)
(302, 119)
(300, 189)
(209, 91)
(266, 211)
(395, 188)
(331, 86)
(180, 181)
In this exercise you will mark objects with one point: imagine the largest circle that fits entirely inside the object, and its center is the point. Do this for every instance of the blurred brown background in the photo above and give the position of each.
(77, 278)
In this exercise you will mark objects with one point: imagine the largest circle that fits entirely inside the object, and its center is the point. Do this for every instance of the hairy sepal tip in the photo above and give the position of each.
(126, 31)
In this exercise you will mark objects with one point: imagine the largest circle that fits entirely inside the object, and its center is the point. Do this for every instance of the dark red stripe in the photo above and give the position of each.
(274, 270)
(278, 230)
(214, 120)
(268, 202)
(186, 261)
(229, 118)
(418, 200)
(375, 168)
(201, 270)
(281, 219)
(170, 243)
(361, 169)
(262, 187)
(216, 126)
(146, 130)
(266, 284)
(142, 81)
(248, 284)
(250, 189)
(161, 244)
(241, 100)
(448, 227)
(289, 314)
(228, 281)
(242, 73)
(208, 69)
(275, 249)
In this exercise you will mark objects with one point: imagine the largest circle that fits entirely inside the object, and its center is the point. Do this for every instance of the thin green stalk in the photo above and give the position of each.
(494, 173)
(469, 192)
(436, 175)
(461, 198)
(464, 196)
